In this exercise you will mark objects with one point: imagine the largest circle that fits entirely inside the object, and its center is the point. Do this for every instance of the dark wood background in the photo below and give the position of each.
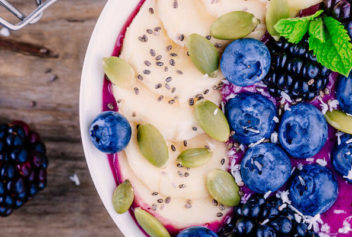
(44, 93)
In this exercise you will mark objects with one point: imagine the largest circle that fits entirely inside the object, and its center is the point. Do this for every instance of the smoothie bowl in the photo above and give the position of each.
(221, 118)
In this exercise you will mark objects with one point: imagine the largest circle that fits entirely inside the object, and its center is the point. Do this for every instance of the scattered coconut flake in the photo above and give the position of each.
(287, 107)
(276, 119)
(261, 90)
(349, 141)
(251, 130)
(222, 106)
(339, 211)
(242, 148)
(346, 226)
(338, 135)
(231, 96)
(267, 194)
(74, 178)
(300, 166)
(285, 96)
(274, 137)
(236, 173)
(311, 159)
(293, 170)
(284, 196)
(265, 222)
(349, 175)
(333, 104)
(230, 153)
(321, 234)
(301, 180)
(325, 228)
(324, 106)
(216, 111)
(313, 222)
(322, 162)
(283, 206)
(257, 143)
(5, 32)
(245, 197)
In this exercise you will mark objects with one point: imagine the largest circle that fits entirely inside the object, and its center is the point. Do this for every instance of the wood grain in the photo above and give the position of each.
(44, 93)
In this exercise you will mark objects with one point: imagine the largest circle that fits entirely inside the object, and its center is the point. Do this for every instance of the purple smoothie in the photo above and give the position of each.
(333, 219)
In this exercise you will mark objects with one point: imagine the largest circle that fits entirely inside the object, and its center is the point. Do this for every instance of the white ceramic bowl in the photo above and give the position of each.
(101, 45)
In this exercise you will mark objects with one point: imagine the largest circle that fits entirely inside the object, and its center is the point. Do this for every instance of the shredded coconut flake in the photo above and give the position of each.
(325, 228)
(284, 196)
(287, 107)
(257, 143)
(236, 173)
(346, 226)
(311, 159)
(338, 135)
(267, 194)
(274, 137)
(313, 222)
(324, 106)
(339, 211)
(322, 162)
(276, 119)
(252, 130)
(231, 96)
(242, 148)
(333, 104)
(285, 96)
(74, 178)
(349, 175)
(349, 141)
(216, 111)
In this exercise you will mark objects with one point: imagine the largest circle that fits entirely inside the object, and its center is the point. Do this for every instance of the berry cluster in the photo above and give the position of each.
(260, 217)
(23, 165)
(341, 10)
(295, 71)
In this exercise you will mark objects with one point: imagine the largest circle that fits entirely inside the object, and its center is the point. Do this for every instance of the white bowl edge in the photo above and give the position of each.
(102, 42)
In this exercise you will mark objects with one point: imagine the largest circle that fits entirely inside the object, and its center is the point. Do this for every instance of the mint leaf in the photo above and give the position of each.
(316, 30)
(336, 52)
(294, 29)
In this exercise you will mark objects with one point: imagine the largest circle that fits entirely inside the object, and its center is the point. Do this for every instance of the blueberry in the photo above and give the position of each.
(265, 167)
(266, 231)
(303, 131)
(197, 231)
(251, 117)
(344, 93)
(245, 62)
(342, 157)
(244, 226)
(110, 132)
(313, 190)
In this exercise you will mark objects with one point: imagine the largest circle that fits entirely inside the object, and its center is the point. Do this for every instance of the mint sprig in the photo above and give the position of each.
(328, 39)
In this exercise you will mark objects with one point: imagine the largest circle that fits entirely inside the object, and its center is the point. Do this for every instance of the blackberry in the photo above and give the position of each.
(260, 217)
(341, 10)
(295, 71)
(23, 165)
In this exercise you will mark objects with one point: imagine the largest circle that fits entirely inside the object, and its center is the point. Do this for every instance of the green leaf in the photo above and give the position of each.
(316, 29)
(294, 29)
(277, 10)
(336, 52)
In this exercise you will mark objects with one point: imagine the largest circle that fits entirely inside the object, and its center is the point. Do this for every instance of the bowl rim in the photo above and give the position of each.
(101, 44)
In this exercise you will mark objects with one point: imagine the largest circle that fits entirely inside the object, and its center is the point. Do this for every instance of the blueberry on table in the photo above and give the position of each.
(197, 231)
(265, 167)
(313, 190)
(303, 131)
(342, 157)
(344, 93)
(251, 117)
(245, 62)
(110, 132)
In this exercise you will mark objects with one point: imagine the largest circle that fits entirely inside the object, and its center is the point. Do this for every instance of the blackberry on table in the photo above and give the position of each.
(295, 71)
(260, 217)
(23, 165)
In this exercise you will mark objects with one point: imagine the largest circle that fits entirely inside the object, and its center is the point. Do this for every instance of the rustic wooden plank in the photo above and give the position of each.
(44, 93)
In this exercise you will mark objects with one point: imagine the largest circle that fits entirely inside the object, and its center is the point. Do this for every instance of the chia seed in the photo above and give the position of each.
(179, 72)
(147, 63)
(180, 173)
(179, 165)
(152, 52)
(167, 86)
(110, 106)
(154, 207)
(155, 193)
(175, 4)
(188, 204)
(215, 203)
(172, 101)
(186, 174)
(143, 38)
(140, 77)
(185, 142)
(172, 62)
(219, 214)
(167, 200)
(181, 37)
(168, 79)
(221, 207)
(157, 28)
(158, 57)
(151, 10)
(157, 86)
(208, 37)
(166, 69)
(173, 148)
(206, 91)
(146, 72)
(173, 54)
(194, 128)
(134, 114)
(217, 45)
(222, 161)
(160, 98)
(173, 90)
(206, 146)
(191, 102)
(160, 64)
(136, 91)
(169, 47)
(149, 31)
(160, 200)
(182, 186)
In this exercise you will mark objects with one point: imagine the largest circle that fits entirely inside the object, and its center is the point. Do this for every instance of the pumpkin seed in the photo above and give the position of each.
(277, 10)
(150, 224)
(223, 188)
(340, 121)
(212, 120)
(119, 71)
(123, 197)
(152, 145)
(234, 25)
(194, 157)
(203, 54)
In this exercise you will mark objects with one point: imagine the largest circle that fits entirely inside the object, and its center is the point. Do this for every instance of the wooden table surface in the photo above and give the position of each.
(44, 93)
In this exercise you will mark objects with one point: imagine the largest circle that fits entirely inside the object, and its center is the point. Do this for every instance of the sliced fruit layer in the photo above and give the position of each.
(340, 121)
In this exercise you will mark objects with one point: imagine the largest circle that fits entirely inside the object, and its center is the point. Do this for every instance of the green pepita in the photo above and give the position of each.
(212, 120)
(223, 188)
(123, 197)
(277, 10)
(150, 224)
(194, 157)
(119, 71)
(152, 145)
(203, 54)
(234, 25)
(340, 121)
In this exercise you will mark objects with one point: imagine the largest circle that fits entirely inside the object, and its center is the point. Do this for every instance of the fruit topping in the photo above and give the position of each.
(194, 157)
(245, 62)
(265, 167)
(150, 224)
(152, 145)
(110, 132)
(342, 157)
(23, 166)
(223, 188)
(339, 9)
(251, 117)
(197, 231)
(313, 190)
(344, 93)
(234, 25)
(340, 120)
(303, 131)
(123, 197)
(262, 217)
(212, 120)
(277, 10)
(203, 54)
(119, 71)
(294, 71)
